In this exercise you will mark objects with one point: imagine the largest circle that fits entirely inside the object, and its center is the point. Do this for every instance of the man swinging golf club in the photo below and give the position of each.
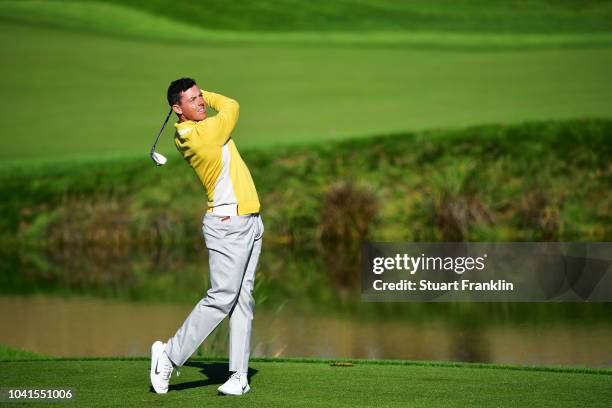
(232, 231)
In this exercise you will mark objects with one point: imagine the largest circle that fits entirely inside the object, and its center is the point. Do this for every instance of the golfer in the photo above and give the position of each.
(232, 229)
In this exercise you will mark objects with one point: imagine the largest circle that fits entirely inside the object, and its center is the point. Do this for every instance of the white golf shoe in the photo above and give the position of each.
(161, 368)
(237, 384)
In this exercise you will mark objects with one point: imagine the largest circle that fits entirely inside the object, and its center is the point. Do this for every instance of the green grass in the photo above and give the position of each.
(13, 354)
(93, 86)
(192, 24)
(369, 15)
(312, 383)
(107, 99)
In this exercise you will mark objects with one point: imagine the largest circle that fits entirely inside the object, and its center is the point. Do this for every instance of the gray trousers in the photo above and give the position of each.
(234, 246)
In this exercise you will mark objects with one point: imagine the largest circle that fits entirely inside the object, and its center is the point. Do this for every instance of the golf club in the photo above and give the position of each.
(159, 158)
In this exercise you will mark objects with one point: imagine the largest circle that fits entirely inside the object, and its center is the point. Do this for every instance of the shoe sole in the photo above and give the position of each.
(156, 349)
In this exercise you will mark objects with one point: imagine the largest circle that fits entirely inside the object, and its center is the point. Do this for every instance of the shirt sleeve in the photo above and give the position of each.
(217, 129)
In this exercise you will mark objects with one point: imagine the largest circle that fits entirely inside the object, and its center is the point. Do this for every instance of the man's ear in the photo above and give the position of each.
(177, 109)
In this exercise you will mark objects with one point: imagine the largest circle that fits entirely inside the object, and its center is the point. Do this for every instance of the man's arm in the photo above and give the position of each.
(218, 129)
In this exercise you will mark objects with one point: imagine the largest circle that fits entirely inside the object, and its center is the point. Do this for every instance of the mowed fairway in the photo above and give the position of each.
(317, 384)
(66, 94)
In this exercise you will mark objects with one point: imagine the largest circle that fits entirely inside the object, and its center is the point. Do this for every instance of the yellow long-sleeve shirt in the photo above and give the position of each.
(208, 148)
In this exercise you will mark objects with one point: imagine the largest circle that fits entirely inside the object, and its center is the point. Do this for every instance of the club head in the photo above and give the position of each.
(158, 158)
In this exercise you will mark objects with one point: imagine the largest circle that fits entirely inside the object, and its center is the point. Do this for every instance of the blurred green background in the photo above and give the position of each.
(360, 120)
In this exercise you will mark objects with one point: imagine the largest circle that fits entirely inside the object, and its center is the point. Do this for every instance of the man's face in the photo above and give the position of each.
(191, 104)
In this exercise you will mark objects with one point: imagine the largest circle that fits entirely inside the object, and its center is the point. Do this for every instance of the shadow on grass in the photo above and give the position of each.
(216, 373)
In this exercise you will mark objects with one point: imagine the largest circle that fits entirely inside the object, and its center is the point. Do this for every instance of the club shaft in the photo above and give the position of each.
(162, 129)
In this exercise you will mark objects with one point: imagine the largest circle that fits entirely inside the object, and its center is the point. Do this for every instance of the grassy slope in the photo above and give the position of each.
(342, 23)
(314, 384)
(108, 98)
(370, 15)
(516, 173)
(113, 87)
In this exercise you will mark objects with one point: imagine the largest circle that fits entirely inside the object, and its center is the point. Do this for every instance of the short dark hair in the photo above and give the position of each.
(176, 87)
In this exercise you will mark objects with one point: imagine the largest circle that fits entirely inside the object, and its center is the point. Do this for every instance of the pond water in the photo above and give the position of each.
(101, 302)
(89, 326)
